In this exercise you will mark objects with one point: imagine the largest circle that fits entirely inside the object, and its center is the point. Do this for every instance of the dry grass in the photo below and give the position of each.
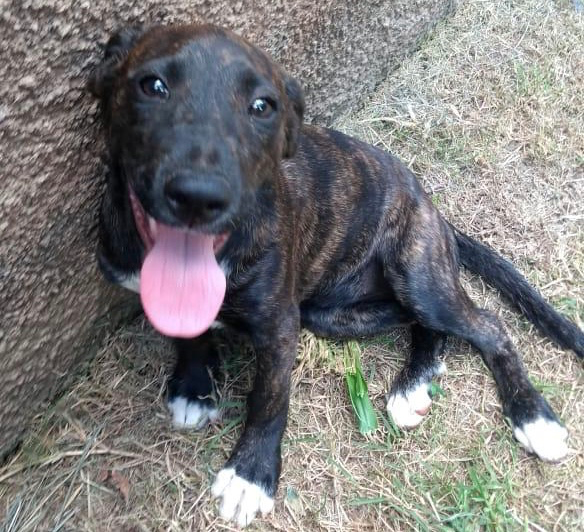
(490, 114)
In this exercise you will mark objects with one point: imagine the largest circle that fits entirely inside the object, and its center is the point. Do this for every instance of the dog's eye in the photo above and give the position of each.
(154, 87)
(262, 107)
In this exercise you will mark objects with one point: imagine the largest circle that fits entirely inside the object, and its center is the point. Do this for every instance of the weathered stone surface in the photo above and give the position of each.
(52, 299)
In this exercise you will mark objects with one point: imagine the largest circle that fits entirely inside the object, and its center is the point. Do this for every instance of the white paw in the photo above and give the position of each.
(191, 414)
(408, 408)
(240, 499)
(544, 437)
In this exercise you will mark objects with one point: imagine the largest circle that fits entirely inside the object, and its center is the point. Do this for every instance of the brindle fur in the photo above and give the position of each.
(328, 233)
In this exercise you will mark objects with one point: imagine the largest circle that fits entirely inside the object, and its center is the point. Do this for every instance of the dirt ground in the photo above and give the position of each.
(490, 114)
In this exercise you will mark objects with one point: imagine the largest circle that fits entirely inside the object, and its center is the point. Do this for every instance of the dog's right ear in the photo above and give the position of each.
(295, 116)
(117, 48)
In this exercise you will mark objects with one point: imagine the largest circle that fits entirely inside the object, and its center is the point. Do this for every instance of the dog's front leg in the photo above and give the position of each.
(248, 481)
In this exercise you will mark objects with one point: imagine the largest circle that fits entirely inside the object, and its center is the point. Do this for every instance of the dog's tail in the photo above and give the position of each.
(502, 275)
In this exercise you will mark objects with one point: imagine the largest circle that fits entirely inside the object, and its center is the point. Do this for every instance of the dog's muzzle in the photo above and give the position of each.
(198, 200)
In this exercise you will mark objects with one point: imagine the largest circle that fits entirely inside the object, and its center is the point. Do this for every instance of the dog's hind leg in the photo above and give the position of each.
(425, 278)
(533, 421)
(409, 398)
(190, 389)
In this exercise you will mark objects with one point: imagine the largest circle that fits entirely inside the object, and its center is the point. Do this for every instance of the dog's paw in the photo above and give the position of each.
(189, 414)
(545, 437)
(409, 399)
(240, 499)
(408, 407)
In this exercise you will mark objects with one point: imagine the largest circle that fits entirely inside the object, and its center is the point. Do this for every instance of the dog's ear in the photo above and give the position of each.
(295, 115)
(117, 48)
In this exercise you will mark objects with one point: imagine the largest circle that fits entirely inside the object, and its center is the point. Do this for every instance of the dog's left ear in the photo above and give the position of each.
(295, 115)
(119, 45)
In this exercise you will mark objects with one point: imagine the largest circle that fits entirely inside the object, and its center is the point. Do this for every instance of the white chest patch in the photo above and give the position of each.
(132, 282)
(544, 437)
(240, 500)
(225, 266)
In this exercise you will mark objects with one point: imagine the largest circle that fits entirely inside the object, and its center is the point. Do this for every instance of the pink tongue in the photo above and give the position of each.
(181, 285)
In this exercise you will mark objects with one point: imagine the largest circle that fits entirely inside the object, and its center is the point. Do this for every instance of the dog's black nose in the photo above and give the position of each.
(196, 200)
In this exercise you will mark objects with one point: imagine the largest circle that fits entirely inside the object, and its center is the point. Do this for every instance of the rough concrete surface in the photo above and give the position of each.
(55, 307)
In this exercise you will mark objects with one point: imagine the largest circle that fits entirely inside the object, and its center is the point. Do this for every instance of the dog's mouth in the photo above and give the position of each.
(182, 286)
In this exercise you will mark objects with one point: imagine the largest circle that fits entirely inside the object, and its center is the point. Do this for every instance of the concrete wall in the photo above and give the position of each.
(54, 307)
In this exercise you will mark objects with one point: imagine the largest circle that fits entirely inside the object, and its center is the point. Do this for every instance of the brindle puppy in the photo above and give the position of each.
(227, 209)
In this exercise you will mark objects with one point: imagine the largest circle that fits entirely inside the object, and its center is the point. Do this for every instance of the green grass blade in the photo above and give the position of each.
(357, 388)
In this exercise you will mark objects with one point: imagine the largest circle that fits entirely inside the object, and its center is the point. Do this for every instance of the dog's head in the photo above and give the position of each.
(197, 117)
(198, 120)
